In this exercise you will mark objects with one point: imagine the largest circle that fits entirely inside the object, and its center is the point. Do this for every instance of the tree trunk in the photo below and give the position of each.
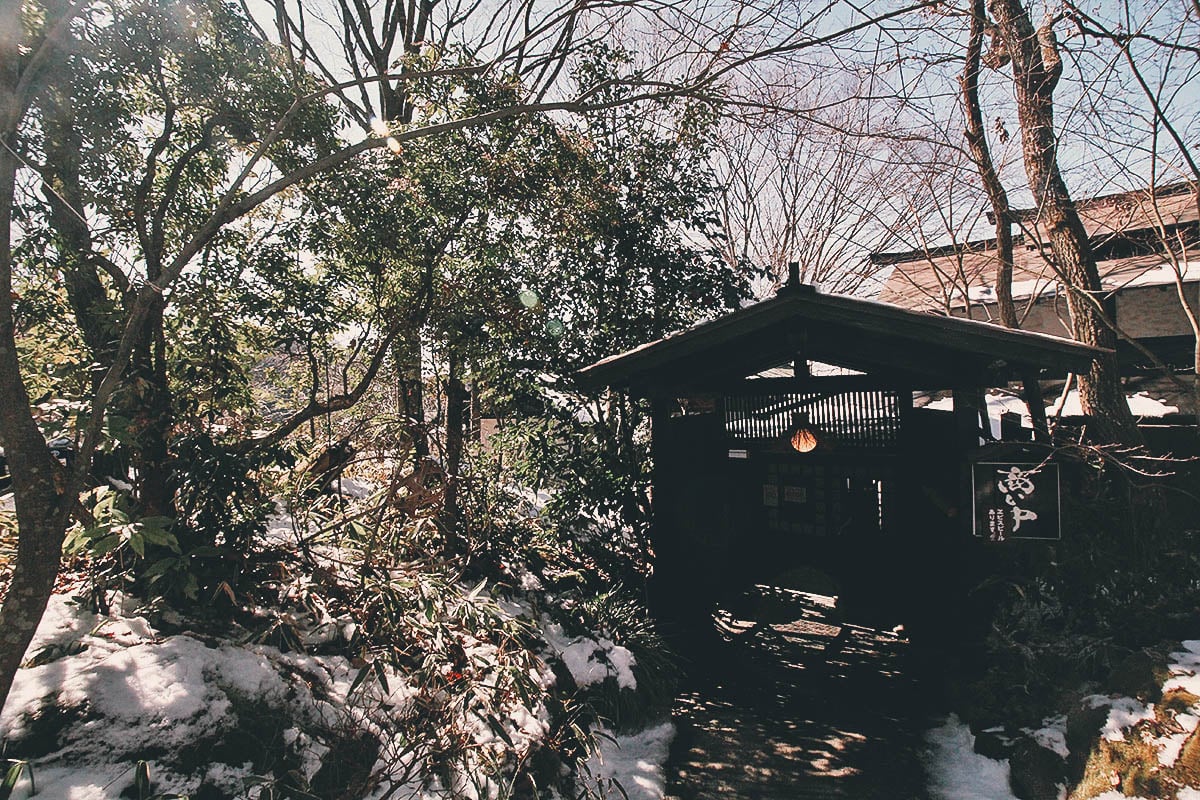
(456, 418)
(61, 184)
(149, 396)
(41, 523)
(410, 378)
(982, 156)
(1036, 66)
(39, 549)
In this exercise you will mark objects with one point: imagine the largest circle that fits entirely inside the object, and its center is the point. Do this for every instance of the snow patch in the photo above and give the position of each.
(1169, 748)
(592, 661)
(1123, 712)
(635, 762)
(1184, 667)
(1141, 404)
(144, 693)
(356, 489)
(1053, 735)
(957, 772)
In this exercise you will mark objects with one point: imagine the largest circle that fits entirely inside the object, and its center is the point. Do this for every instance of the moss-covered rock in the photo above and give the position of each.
(1035, 773)
(1137, 675)
(1178, 701)
(1130, 767)
(1083, 728)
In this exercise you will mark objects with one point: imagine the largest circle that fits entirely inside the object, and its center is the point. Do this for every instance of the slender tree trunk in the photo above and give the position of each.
(41, 521)
(406, 352)
(40, 525)
(1036, 66)
(982, 156)
(150, 398)
(456, 418)
(61, 185)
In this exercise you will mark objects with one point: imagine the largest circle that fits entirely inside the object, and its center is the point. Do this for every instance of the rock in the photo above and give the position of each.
(1130, 768)
(1035, 773)
(993, 743)
(1083, 729)
(1135, 676)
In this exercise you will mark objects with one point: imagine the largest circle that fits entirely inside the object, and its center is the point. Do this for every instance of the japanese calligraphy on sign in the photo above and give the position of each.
(1016, 501)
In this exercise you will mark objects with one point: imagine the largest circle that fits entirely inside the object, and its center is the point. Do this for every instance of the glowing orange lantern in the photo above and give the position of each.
(804, 435)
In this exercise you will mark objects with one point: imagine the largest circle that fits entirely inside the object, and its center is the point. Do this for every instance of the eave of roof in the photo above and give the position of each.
(852, 332)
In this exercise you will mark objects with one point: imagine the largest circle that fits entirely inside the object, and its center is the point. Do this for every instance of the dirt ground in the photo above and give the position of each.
(791, 701)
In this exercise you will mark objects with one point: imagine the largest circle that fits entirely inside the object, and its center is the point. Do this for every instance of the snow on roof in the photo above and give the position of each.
(1161, 274)
(938, 278)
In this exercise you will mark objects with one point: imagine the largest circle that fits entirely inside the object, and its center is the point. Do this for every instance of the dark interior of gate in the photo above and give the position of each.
(865, 515)
(787, 451)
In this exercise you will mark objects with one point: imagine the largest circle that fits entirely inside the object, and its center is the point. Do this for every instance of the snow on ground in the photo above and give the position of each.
(1185, 669)
(998, 404)
(957, 772)
(128, 693)
(1141, 404)
(118, 691)
(635, 762)
(1123, 713)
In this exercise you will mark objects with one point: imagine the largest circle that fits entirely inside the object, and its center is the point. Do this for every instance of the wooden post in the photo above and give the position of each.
(908, 479)
(1037, 405)
(967, 415)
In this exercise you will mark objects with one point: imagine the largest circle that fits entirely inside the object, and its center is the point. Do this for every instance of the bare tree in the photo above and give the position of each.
(981, 154)
(1156, 121)
(813, 191)
(1036, 64)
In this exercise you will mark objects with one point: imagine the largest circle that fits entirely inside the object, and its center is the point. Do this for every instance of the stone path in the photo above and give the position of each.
(796, 703)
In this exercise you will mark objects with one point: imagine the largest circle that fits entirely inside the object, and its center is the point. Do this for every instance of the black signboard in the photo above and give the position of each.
(1016, 501)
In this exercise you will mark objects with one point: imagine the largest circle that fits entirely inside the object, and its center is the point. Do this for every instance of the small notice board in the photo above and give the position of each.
(1016, 501)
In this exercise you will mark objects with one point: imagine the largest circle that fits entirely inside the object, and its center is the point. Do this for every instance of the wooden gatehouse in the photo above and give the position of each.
(785, 439)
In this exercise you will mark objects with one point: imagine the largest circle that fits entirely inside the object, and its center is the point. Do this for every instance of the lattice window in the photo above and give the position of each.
(859, 419)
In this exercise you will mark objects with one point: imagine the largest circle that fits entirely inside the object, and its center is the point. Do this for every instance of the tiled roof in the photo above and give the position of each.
(939, 279)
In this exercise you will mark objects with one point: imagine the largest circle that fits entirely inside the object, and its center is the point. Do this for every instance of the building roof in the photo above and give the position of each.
(910, 347)
(1121, 213)
(1123, 228)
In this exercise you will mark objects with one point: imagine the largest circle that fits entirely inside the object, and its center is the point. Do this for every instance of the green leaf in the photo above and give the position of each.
(358, 679)
(76, 540)
(11, 776)
(160, 567)
(498, 729)
(382, 675)
(106, 544)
